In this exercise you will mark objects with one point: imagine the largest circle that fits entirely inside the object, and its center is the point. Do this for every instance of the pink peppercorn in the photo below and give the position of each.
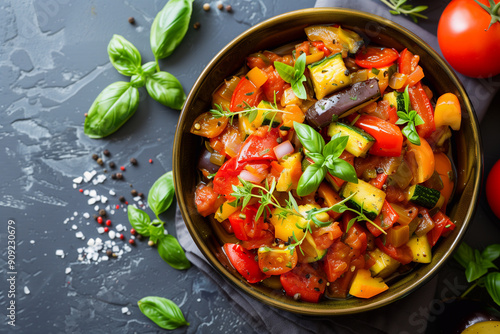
(150, 161)
(122, 236)
(131, 241)
(117, 206)
(133, 231)
(126, 202)
(106, 229)
(108, 222)
(122, 168)
(81, 190)
(99, 220)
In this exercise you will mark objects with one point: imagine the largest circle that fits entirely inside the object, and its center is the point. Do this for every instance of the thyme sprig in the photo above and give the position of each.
(398, 7)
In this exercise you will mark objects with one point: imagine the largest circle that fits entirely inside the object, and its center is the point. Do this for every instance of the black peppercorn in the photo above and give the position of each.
(109, 252)
(122, 199)
(133, 161)
(106, 153)
(100, 162)
(134, 192)
(102, 212)
(131, 20)
(95, 156)
(119, 176)
(112, 164)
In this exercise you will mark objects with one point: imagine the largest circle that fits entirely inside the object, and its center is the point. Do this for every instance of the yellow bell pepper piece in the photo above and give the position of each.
(448, 111)
(424, 158)
(224, 211)
(366, 286)
(257, 76)
(421, 249)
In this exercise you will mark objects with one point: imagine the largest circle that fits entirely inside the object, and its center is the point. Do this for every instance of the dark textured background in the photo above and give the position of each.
(53, 63)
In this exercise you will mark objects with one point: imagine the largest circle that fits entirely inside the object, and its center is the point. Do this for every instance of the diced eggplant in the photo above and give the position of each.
(343, 102)
(204, 162)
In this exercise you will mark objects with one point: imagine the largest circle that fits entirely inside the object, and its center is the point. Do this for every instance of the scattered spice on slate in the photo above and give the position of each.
(117, 206)
(106, 152)
(133, 161)
(122, 168)
(133, 231)
(141, 195)
(151, 243)
(131, 20)
(140, 237)
(119, 176)
(108, 222)
(131, 241)
(206, 6)
(134, 192)
(100, 162)
(99, 220)
(122, 236)
(113, 176)
(122, 199)
(95, 156)
(112, 164)
(106, 229)
(220, 6)
(81, 190)
(150, 161)
(197, 25)
(86, 114)
(229, 8)
(102, 212)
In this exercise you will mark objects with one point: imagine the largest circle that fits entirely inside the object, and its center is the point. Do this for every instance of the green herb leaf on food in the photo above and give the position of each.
(171, 252)
(124, 56)
(111, 109)
(411, 118)
(169, 27)
(310, 138)
(166, 89)
(311, 179)
(163, 312)
(294, 75)
(162, 193)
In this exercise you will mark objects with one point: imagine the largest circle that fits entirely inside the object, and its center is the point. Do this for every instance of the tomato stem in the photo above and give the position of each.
(492, 10)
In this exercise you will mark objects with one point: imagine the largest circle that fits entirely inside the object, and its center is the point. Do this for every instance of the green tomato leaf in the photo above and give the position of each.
(311, 179)
(169, 27)
(336, 146)
(162, 193)
(139, 220)
(492, 284)
(491, 253)
(111, 109)
(124, 56)
(464, 254)
(166, 89)
(285, 71)
(310, 138)
(163, 312)
(343, 170)
(171, 252)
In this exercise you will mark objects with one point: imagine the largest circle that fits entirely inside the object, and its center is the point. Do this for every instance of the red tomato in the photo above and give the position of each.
(244, 262)
(226, 176)
(443, 227)
(402, 254)
(493, 189)
(259, 146)
(245, 91)
(306, 281)
(404, 62)
(267, 239)
(466, 41)
(207, 200)
(337, 261)
(274, 84)
(388, 136)
(238, 225)
(377, 57)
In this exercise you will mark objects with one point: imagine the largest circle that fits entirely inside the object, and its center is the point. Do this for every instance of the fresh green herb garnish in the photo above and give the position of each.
(412, 118)
(294, 75)
(325, 157)
(160, 198)
(477, 265)
(164, 312)
(398, 7)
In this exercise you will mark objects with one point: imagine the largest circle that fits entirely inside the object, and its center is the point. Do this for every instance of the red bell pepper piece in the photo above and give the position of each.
(244, 262)
(421, 103)
(404, 62)
(306, 281)
(321, 47)
(374, 56)
(245, 91)
(259, 146)
(403, 254)
(372, 229)
(227, 176)
(238, 225)
(388, 136)
(388, 216)
(379, 180)
(443, 227)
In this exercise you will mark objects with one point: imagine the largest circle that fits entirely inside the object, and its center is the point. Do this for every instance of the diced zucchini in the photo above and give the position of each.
(395, 99)
(329, 75)
(420, 248)
(365, 196)
(426, 197)
(359, 142)
(384, 264)
(311, 253)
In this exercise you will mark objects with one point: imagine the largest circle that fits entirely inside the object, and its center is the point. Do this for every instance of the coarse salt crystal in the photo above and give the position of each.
(26, 290)
(87, 176)
(100, 230)
(86, 192)
(104, 258)
(119, 227)
(78, 180)
(32, 242)
(74, 227)
(91, 242)
(60, 252)
(112, 192)
(127, 248)
(95, 256)
(104, 199)
(112, 212)
(124, 310)
(79, 235)
(137, 198)
(74, 186)
(91, 201)
(116, 249)
(75, 213)
(96, 208)
(80, 250)
(98, 241)
(86, 215)
(93, 193)
(112, 234)
(67, 271)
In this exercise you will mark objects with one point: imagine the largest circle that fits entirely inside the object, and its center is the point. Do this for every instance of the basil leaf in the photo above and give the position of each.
(161, 194)
(139, 220)
(156, 230)
(316, 157)
(169, 27)
(171, 252)
(124, 55)
(343, 170)
(299, 89)
(149, 68)
(406, 99)
(300, 66)
(286, 72)
(474, 270)
(336, 146)
(138, 80)
(166, 89)
(491, 253)
(311, 179)
(164, 312)
(492, 283)
(464, 254)
(111, 109)
(309, 138)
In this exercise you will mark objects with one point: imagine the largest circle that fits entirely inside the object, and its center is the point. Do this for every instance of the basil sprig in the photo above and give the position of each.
(160, 197)
(294, 75)
(163, 312)
(119, 101)
(412, 118)
(325, 157)
(477, 265)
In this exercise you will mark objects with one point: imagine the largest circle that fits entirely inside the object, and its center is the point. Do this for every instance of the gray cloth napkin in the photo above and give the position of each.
(404, 316)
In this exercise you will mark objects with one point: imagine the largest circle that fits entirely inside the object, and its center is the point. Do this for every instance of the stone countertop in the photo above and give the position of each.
(53, 63)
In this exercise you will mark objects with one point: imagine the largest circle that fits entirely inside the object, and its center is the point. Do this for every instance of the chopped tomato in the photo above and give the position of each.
(254, 228)
(259, 146)
(421, 103)
(245, 94)
(404, 62)
(266, 239)
(277, 261)
(321, 47)
(403, 254)
(325, 236)
(302, 48)
(274, 84)
(207, 200)
(388, 216)
(388, 136)
(207, 125)
(376, 57)
(337, 261)
(379, 180)
(238, 225)
(228, 142)
(442, 228)
(227, 176)
(305, 281)
(244, 262)
(356, 236)
(257, 61)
